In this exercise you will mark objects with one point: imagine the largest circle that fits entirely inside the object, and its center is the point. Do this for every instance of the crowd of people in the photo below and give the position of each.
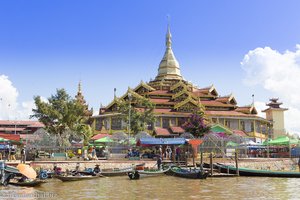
(12, 152)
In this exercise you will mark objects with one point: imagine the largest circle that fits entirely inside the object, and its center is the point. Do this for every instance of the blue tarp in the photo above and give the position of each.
(161, 141)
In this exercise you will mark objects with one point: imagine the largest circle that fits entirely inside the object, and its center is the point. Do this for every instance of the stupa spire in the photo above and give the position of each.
(169, 66)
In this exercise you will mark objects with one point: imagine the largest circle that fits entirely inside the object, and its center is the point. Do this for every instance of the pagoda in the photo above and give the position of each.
(275, 114)
(80, 98)
(175, 99)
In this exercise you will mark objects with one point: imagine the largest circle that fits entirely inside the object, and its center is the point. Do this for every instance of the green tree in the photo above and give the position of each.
(62, 116)
(141, 113)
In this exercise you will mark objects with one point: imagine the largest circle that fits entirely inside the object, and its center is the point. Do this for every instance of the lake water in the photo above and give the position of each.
(164, 187)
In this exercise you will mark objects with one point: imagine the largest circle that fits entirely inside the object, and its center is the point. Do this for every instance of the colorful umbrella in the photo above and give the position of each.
(27, 171)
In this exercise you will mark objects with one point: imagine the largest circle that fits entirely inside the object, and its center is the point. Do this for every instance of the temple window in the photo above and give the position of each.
(166, 123)
(116, 124)
(214, 120)
(173, 121)
(252, 126)
(242, 125)
(157, 122)
(227, 123)
(98, 125)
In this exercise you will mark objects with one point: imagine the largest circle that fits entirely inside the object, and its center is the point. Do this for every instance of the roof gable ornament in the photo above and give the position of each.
(144, 85)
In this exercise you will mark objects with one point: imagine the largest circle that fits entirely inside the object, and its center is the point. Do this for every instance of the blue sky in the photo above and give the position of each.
(46, 44)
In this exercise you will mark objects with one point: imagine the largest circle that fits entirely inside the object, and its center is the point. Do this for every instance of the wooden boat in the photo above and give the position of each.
(33, 183)
(11, 169)
(137, 174)
(256, 172)
(116, 172)
(189, 173)
(77, 177)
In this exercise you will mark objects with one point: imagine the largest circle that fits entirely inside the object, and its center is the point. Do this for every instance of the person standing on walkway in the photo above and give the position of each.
(158, 162)
(13, 153)
(23, 154)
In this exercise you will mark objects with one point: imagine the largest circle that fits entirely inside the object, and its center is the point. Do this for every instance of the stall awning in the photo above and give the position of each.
(177, 129)
(160, 141)
(161, 131)
(15, 137)
(99, 136)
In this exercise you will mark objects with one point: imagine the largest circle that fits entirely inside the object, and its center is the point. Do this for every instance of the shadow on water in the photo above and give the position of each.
(164, 187)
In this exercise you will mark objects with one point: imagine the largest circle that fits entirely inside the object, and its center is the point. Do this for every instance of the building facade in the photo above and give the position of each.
(175, 99)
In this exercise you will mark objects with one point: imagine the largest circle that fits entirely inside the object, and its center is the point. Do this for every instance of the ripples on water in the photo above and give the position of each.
(165, 187)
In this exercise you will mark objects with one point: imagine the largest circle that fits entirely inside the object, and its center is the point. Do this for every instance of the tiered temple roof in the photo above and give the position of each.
(172, 95)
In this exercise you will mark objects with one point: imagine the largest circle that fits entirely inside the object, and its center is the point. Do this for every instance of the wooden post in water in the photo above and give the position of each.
(236, 164)
(201, 158)
(193, 152)
(211, 164)
(173, 154)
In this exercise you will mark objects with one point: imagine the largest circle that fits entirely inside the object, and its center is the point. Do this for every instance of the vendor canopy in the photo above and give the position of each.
(160, 141)
(283, 140)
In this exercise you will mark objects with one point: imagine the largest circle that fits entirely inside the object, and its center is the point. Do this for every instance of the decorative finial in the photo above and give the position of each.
(252, 99)
(79, 87)
(115, 90)
(169, 36)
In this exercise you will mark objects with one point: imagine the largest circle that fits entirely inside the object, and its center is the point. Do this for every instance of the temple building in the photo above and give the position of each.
(175, 99)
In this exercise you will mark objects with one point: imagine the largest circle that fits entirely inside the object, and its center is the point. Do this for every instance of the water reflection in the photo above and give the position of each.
(165, 187)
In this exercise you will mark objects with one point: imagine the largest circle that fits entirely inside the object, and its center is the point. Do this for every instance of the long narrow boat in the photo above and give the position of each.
(33, 183)
(188, 173)
(117, 172)
(137, 174)
(77, 177)
(256, 172)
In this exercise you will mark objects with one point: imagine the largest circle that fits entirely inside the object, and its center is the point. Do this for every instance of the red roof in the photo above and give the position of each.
(227, 113)
(240, 133)
(15, 137)
(11, 129)
(162, 131)
(21, 122)
(99, 136)
(164, 101)
(215, 103)
(177, 129)
(159, 92)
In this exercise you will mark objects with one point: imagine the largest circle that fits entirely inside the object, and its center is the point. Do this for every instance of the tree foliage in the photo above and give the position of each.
(196, 124)
(141, 113)
(62, 116)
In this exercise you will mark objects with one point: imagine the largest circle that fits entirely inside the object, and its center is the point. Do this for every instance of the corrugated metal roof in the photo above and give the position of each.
(161, 141)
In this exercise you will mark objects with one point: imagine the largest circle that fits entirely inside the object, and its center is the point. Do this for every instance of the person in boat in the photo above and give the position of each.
(299, 164)
(97, 169)
(158, 162)
(23, 179)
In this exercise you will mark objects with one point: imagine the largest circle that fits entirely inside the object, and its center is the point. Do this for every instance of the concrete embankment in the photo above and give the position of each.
(281, 164)
(104, 164)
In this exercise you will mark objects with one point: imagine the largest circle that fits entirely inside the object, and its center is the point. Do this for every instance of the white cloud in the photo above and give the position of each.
(278, 73)
(10, 108)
